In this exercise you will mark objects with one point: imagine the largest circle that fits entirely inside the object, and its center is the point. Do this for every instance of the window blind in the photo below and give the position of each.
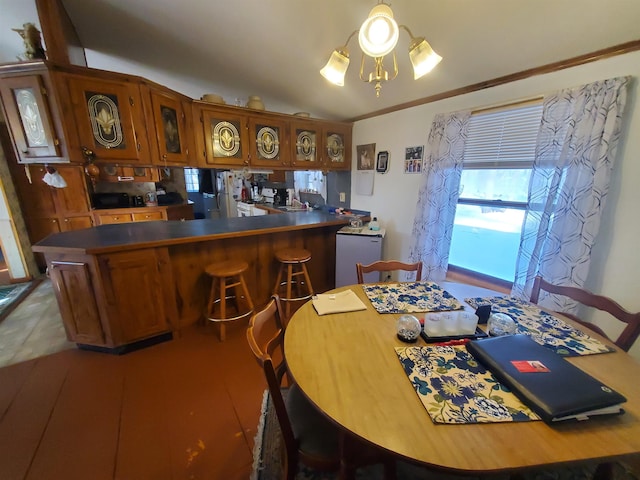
(504, 138)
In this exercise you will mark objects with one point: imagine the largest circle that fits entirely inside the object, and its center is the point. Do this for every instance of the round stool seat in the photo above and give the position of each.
(293, 270)
(293, 255)
(228, 289)
(226, 268)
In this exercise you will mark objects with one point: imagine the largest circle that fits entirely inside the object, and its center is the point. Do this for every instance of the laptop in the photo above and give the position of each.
(545, 381)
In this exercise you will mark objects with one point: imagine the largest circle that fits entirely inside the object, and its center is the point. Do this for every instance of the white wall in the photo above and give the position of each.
(615, 269)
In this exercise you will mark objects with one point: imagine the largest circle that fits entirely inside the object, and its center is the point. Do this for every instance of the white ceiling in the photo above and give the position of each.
(275, 48)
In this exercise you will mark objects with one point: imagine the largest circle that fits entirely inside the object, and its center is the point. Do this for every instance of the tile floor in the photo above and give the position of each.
(33, 329)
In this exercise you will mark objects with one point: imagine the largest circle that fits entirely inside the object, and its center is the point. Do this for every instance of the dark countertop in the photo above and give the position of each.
(130, 236)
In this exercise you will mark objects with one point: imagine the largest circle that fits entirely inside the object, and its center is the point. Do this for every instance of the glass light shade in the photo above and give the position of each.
(423, 58)
(336, 67)
(379, 33)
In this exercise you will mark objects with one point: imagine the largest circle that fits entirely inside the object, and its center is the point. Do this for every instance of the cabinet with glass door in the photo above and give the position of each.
(109, 119)
(31, 112)
(222, 136)
(269, 142)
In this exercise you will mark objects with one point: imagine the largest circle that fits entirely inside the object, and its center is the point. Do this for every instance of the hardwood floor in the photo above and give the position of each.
(184, 409)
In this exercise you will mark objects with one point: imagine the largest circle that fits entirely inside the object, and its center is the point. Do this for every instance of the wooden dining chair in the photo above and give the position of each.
(606, 304)
(309, 437)
(388, 266)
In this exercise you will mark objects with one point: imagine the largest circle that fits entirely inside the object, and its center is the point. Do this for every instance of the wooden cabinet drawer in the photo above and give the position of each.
(109, 218)
(148, 216)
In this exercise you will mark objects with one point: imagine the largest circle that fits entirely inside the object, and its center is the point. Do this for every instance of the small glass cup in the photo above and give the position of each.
(433, 325)
(467, 323)
(450, 323)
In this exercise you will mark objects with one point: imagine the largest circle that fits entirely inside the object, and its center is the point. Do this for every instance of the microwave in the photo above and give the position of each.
(110, 200)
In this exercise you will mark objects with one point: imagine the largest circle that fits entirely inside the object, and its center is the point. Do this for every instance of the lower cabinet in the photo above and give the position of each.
(143, 214)
(113, 300)
(75, 293)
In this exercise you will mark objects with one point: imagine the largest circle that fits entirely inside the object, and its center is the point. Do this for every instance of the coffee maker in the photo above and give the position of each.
(280, 198)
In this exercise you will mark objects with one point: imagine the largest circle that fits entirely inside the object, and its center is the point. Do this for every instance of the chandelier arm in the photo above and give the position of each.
(362, 70)
(395, 66)
(344, 47)
(408, 31)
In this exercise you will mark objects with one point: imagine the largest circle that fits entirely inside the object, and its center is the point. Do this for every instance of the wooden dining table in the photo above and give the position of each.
(347, 366)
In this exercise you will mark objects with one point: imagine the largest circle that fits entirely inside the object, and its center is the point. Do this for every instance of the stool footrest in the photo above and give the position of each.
(237, 317)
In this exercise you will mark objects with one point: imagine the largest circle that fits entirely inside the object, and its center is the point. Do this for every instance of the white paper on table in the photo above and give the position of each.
(364, 182)
(346, 301)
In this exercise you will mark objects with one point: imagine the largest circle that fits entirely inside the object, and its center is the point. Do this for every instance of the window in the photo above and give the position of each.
(494, 186)
(191, 179)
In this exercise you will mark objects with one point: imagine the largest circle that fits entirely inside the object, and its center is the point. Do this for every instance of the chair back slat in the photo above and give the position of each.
(388, 266)
(265, 336)
(599, 302)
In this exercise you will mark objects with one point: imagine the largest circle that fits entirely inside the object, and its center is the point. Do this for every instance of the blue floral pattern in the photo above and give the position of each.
(543, 327)
(455, 388)
(410, 297)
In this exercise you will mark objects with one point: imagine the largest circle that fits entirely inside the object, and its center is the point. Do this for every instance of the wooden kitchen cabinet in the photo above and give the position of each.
(114, 300)
(137, 286)
(169, 117)
(28, 113)
(336, 145)
(222, 135)
(47, 209)
(74, 288)
(117, 173)
(109, 118)
(143, 214)
(268, 141)
(306, 136)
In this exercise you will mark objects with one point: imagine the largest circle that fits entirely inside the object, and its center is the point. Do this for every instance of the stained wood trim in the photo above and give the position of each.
(60, 37)
(620, 49)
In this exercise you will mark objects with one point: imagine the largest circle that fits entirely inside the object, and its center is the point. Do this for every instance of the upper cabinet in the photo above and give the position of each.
(236, 137)
(321, 145)
(223, 136)
(31, 110)
(268, 141)
(109, 118)
(305, 144)
(169, 117)
(336, 146)
(64, 113)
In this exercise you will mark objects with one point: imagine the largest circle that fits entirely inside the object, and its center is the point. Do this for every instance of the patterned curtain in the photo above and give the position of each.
(438, 197)
(574, 156)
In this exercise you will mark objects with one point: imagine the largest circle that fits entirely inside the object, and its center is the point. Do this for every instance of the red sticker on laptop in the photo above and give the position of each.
(529, 366)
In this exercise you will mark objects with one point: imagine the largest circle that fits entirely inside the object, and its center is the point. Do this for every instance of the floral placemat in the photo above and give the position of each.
(543, 327)
(455, 388)
(410, 297)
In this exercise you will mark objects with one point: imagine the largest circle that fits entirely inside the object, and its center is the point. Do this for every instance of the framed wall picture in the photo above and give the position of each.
(382, 162)
(413, 159)
(366, 154)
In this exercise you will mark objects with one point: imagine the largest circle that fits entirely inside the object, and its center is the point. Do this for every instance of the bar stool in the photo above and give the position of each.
(227, 275)
(293, 261)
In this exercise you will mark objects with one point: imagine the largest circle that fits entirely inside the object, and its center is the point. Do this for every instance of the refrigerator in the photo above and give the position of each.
(229, 192)
(357, 245)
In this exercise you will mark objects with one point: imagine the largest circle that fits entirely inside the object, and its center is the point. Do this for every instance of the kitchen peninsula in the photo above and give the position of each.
(121, 286)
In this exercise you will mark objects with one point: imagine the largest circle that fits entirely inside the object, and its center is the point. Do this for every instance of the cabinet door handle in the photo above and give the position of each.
(131, 101)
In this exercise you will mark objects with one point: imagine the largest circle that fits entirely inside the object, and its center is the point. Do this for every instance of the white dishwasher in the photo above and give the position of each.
(357, 245)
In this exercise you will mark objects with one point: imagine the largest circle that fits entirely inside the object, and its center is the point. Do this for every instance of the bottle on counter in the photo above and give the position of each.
(374, 225)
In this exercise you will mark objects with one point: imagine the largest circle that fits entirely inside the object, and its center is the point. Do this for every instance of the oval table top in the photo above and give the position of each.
(347, 366)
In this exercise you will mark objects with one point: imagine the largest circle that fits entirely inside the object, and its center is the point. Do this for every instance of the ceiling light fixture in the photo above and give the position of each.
(378, 36)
